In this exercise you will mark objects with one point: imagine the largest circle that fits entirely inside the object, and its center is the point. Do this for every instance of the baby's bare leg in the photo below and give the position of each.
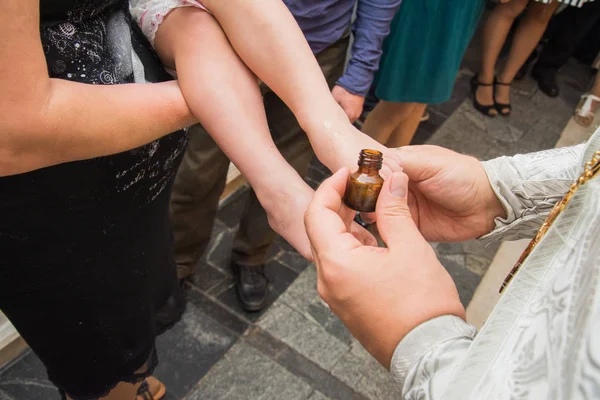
(224, 95)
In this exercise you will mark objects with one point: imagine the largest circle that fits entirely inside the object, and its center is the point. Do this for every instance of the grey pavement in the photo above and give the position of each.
(296, 348)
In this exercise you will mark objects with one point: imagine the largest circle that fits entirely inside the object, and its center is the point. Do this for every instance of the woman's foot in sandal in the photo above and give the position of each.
(502, 97)
(483, 97)
(586, 109)
(151, 389)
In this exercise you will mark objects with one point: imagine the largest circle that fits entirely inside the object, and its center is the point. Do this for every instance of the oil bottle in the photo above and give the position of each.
(364, 185)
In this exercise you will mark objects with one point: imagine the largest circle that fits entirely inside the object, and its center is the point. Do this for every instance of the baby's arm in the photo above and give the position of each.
(224, 95)
(267, 38)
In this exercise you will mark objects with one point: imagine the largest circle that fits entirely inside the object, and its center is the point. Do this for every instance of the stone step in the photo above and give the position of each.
(235, 180)
(11, 344)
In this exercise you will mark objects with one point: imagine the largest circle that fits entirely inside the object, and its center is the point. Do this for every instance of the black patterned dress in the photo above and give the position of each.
(86, 269)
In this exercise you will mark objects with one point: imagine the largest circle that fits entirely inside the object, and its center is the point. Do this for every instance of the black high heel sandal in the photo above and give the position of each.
(482, 108)
(503, 109)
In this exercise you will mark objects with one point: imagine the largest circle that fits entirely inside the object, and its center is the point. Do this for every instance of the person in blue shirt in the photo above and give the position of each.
(327, 25)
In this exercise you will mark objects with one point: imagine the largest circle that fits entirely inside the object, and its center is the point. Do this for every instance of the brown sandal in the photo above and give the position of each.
(151, 389)
(586, 109)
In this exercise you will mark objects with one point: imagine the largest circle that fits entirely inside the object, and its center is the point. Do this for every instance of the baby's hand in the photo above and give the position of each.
(285, 206)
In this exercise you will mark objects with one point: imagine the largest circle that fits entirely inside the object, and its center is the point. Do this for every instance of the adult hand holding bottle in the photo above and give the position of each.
(449, 194)
(379, 293)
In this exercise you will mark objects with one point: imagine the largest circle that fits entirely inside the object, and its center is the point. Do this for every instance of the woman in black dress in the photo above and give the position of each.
(86, 271)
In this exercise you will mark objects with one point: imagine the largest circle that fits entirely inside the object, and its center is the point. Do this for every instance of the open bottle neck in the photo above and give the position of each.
(370, 161)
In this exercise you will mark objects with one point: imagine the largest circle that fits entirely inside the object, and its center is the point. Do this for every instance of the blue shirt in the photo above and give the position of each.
(325, 21)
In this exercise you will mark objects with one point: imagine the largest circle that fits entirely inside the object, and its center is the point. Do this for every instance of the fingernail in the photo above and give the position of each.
(398, 186)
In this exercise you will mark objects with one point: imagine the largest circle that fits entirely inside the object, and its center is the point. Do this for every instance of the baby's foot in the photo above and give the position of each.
(285, 209)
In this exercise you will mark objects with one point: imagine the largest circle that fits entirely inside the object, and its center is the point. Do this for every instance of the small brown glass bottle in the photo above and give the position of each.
(364, 185)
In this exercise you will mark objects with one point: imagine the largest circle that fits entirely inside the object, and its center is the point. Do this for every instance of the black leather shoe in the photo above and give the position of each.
(546, 80)
(251, 286)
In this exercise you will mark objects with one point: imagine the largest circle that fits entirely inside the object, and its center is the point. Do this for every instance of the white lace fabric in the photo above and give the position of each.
(149, 14)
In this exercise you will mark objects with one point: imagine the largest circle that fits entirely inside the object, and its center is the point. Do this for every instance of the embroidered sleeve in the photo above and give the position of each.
(528, 186)
(425, 359)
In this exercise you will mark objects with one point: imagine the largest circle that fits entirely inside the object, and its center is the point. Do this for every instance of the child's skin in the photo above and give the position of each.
(224, 95)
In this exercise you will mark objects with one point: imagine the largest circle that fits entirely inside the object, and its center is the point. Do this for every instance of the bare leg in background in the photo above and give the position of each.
(392, 123)
(528, 35)
(494, 35)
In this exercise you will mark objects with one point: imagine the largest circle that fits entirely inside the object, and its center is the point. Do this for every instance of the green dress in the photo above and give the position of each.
(423, 52)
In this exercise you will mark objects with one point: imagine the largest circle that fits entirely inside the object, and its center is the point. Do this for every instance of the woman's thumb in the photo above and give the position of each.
(394, 220)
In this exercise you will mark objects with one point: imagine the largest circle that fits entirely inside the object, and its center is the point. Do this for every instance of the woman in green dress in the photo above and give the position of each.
(420, 61)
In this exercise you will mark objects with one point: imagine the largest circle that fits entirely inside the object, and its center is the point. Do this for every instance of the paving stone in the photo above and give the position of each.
(221, 287)
(337, 328)
(280, 275)
(299, 365)
(372, 382)
(555, 110)
(428, 128)
(265, 342)
(465, 280)
(450, 248)
(462, 135)
(318, 396)
(521, 116)
(320, 313)
(303, 292)
(525, 87)
(500, 129)
(220, 314)
(545, 133)
(26, 378)
(218, 252)
(303, 335)
(206, 277)
(570, 92)
(189, 350)
(359, 351)
(302, 297)
(283, 245)
(481, 248)
(293, 260)
(477, 265)
(245, 373)
(170, 396)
